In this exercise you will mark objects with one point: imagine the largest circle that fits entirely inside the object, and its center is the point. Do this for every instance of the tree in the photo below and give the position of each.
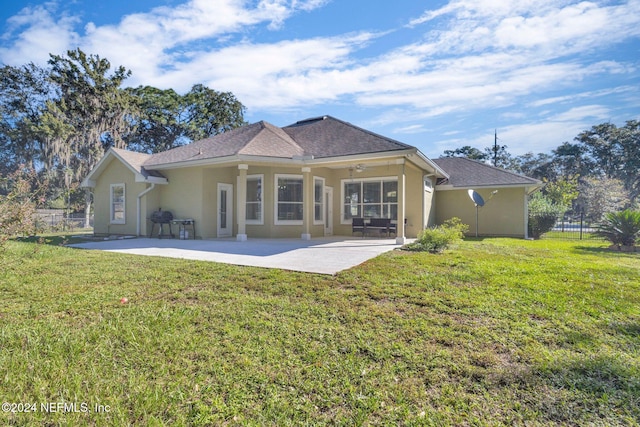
(572, 159)
(90, 115)
(211, 112)
(468, 152)
(23, 94)
(615, 153)
(165, 119)
(500, 158)
(157, 120)
(599, 196)
(563, 191)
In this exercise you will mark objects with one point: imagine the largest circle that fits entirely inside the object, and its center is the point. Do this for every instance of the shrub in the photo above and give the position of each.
(543, 214)
(438, 238)
(620, 228)
(18, 205)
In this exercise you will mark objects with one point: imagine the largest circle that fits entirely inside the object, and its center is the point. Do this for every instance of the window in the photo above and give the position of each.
(352, 200)
(390, 199)
(255, 210)
(370, 198)
(428, 185)
(318, 201)
(289, 201)
(117, 204)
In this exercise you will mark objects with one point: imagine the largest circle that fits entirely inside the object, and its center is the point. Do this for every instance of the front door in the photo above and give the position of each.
(328, 211)
(225, 210)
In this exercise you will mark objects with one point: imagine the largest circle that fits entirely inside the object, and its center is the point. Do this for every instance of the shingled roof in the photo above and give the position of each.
(258, 139)
(327, 136)
(467, 173)
(320, 137)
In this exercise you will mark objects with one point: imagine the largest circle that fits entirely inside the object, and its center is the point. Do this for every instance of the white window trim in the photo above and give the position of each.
(322, 219)
(124, 204)
(261, 220)
(277, 221)
(360, 180)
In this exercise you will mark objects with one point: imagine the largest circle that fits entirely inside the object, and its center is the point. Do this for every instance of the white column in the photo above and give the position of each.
(307, 203)
(242, 203)
(400, 238)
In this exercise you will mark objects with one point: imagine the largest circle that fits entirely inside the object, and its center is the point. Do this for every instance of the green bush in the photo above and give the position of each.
(543, 214)
(438, 238)
(18, 202)
(620, 228)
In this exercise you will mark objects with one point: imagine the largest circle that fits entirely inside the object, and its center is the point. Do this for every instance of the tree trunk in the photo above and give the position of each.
(87, 208)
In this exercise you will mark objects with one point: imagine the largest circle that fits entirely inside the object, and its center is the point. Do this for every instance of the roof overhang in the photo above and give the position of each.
(412, 155)
(530, 188)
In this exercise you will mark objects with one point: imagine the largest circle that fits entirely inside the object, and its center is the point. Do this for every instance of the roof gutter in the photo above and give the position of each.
(303, 160)
(528, 187)
(138, 208)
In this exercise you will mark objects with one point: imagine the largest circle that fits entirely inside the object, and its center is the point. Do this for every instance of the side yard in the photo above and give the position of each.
(494, 332)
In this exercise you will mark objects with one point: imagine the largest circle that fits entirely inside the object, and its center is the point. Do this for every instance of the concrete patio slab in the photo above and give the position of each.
(322, 255)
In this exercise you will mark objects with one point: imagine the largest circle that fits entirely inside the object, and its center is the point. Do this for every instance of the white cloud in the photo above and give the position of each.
(411, 129)
(474, 55)
(34, 33)
(547, 133)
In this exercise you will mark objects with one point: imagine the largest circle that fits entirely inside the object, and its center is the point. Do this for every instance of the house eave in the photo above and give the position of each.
(190, 163)
(412, 155)
(448, 187)
(151, 179)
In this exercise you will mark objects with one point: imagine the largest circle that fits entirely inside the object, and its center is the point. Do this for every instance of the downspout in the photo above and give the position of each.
(138, 208)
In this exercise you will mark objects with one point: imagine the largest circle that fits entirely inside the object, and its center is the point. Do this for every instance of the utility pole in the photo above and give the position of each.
(495, 148)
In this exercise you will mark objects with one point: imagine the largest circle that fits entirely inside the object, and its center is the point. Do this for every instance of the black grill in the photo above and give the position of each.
(161, 217)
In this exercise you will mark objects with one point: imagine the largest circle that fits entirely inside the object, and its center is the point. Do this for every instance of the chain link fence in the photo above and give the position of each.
(58, 220)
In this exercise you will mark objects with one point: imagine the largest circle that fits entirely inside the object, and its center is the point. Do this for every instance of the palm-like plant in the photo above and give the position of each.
(620, 228)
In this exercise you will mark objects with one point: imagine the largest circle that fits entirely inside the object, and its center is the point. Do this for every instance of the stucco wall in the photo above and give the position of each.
(503, 215)
(192, 193)
(116, 173)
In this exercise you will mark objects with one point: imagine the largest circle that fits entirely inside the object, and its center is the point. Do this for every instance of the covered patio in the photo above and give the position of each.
(327, 255)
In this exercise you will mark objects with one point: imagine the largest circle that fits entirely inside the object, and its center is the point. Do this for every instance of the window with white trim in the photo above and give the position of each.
(318, 201)
(255, 207)
(370, 198)
(117, 203)
(428, 185)
(289, 199)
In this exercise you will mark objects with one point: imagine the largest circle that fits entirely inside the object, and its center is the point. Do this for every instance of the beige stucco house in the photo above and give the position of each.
(305, 180)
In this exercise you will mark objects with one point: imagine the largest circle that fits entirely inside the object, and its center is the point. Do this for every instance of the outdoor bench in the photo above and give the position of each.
(382, 225)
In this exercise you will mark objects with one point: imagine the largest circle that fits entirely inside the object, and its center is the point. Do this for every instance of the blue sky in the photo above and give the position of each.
(434, 74)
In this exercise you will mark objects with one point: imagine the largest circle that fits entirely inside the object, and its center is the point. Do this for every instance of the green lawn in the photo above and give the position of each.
(494, 332)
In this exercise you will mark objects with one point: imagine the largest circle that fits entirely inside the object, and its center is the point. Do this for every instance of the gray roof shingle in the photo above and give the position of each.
(467, 173)
(320, 137)
(258, 139)
(136, 161)
(329, 137)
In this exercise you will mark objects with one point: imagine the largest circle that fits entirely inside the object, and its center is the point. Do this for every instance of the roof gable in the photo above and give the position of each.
(467, 173)
(257, 139)
(134, 161)
(271, 141)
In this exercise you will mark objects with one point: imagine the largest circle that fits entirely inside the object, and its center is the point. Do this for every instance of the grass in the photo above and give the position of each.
(494, 332)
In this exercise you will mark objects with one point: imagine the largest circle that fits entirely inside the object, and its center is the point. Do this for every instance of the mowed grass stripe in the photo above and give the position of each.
(492, 332)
